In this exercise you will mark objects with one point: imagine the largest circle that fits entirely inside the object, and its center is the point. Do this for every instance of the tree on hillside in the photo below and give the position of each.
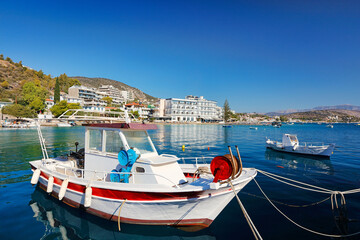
(73, 81)
(59, 108)
(18, 110)
(283, 119)
(5, 84)
(227, 112)
(30, 91)
(1, 57)
(57, 91)
(38, 105)
(9, 60)
(62, 106)
(108, 100)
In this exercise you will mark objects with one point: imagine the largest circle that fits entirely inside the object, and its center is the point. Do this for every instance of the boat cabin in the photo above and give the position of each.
(126, 152)
(290, 140)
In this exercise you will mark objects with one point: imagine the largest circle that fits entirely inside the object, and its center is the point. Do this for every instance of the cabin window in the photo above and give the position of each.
(113, 142)
(140, 170)
(95, 140)
(139, 141)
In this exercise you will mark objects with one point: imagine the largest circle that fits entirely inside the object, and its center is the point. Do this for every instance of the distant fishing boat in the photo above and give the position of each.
(290, 144)
(120, 176)
(276, 124)
(254, 128)
(329, 126)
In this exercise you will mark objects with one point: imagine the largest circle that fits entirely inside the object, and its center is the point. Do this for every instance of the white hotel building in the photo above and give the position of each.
(192, 109)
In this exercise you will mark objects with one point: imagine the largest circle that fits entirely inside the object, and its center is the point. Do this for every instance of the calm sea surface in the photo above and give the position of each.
(59, 221)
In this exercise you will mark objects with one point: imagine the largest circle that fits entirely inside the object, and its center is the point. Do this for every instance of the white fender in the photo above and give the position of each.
(50, 185)
(35, 177)
(50, 217)
(63, 188)
(88, 194)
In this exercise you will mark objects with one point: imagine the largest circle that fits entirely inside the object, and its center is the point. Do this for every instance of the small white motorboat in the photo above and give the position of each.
(120, 176)
(290, 144)
(330, 126)
(64, 124)
(254, 128)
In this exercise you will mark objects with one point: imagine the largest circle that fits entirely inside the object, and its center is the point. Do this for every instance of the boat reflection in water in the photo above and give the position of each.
(62, 221)
(300, 162)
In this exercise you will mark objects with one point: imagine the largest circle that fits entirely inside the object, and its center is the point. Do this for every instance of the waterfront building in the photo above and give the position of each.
(127, 95)
(94, 105)
(113, 92)
(75, 100)
(192, 109)
(144, 111)
(89, 98)
(49, 103)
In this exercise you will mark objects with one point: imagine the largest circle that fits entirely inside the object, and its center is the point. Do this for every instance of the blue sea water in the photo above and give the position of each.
(59, 221)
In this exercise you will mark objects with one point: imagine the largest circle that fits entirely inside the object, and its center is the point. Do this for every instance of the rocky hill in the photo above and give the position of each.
(337, 115)
(14, 75)
(97, 82)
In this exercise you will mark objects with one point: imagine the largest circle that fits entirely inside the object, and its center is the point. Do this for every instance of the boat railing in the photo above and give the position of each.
(101, 175)
(311, 144)
(197, 160)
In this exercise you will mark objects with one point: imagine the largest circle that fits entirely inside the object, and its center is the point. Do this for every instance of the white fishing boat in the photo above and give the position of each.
(253, 128)
(120, 176)
(290, 144)
(64, 124)
(330, 126)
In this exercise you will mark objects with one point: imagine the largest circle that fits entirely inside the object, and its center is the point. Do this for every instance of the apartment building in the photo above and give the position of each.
(113, 92)
(127, 95)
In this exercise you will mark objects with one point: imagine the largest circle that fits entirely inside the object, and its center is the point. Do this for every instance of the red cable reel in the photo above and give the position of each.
(224, 167)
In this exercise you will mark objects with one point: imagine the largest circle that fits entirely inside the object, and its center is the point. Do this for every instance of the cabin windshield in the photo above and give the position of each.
(293, 138)
(139, 140)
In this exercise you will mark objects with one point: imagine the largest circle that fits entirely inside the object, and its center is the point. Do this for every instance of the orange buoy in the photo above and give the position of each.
(208, 148)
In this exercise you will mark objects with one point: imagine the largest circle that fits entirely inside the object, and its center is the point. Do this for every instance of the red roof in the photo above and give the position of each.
(134, 104)
(110, 107)
(49, 100)
(135, 126)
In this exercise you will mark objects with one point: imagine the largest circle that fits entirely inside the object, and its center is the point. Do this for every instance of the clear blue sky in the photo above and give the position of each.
(260, 55)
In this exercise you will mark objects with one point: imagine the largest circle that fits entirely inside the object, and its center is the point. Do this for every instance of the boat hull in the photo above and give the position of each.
(302, 150)
(181, 209)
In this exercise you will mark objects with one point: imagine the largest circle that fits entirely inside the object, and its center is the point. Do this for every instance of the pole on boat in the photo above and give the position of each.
(239, 161)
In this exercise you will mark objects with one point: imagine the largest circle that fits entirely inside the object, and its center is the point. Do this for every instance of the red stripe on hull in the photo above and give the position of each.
(189, 223)
(129, 195)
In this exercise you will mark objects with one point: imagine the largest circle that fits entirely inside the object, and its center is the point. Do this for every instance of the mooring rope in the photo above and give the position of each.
(312, 187)
(309, 186)
(247, 217)
(302, 227)
(119, 214)
(286, 204)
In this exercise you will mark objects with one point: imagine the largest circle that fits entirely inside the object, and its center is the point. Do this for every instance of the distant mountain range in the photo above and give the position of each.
(336, 107)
